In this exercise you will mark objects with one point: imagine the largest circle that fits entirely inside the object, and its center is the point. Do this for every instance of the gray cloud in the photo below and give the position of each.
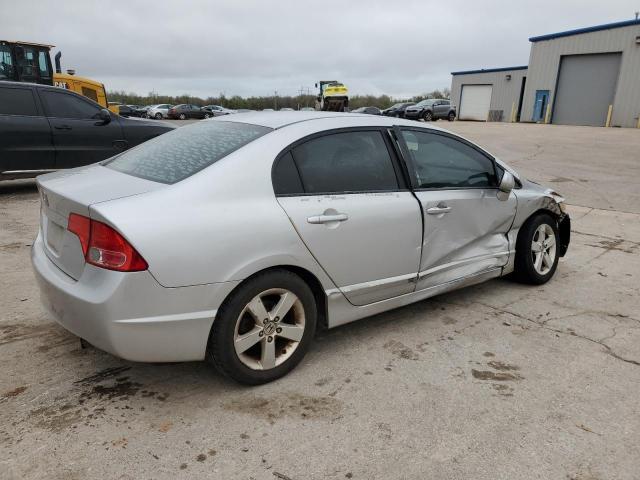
(254, 47)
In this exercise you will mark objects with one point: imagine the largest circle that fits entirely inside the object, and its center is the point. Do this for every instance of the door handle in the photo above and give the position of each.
(62, 127)
(438, 210)
(338, 217)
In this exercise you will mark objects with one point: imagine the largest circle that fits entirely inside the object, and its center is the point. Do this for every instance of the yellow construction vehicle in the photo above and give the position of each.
(31, 62)
(333, 96)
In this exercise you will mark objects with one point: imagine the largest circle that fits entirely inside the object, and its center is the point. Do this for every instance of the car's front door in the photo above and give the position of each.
(345, 196)
(466, 224)
(79, 136)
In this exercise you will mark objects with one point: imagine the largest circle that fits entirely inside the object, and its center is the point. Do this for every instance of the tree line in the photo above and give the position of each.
(260, 103)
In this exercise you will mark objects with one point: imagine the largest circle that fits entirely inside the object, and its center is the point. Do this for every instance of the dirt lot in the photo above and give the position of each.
(497, 381)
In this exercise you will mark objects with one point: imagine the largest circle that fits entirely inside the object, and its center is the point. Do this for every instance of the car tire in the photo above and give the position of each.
(182, 116)
(267, 354)
(427, 116)
(451, 117)
(206, 115)
(158, 116)
(537, 250)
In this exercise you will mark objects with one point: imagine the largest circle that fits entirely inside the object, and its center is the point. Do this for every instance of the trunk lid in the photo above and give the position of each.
(74, 191)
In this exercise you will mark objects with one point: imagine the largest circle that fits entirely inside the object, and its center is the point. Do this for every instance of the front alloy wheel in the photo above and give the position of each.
(536, 250)
(428, 116)
(543, 249)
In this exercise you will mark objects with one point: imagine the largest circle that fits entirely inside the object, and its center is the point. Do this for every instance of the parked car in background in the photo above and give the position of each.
(431, 109)
(131, 111)
(397, 110)
(307, 109)
(244, 110)
(368, 110)
(286, 109)
(159, 111)
(217, 110)
(141, 111)
(194, 281)
(186, 110)
(46, 128)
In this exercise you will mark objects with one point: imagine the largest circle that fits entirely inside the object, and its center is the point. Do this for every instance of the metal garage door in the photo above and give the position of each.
(475, 101)
(586, 88)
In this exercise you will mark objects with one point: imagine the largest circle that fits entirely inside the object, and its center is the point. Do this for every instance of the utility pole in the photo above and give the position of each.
(637, 13)
(275, 100)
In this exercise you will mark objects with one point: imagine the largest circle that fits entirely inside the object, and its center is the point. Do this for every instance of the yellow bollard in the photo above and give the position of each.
(547, 116)
(608, 123)
(513, 112)
(638, 126)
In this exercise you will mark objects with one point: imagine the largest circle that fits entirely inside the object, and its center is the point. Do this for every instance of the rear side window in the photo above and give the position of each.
(440, 161)
(65, 105)
(179, 154)
(17, 101)
(286, 180)
(346, 162)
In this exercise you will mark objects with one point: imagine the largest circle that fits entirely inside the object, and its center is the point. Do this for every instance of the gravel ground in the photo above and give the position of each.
(496, 381)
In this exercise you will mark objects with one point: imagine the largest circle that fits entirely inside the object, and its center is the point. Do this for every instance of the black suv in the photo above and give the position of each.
(431, 109)
(44, 128)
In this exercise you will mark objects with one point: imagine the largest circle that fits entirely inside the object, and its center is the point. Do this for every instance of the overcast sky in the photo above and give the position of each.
(253, 47)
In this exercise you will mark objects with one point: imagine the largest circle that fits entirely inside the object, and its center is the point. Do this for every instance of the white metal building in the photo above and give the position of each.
(492, 94)
(588, 76)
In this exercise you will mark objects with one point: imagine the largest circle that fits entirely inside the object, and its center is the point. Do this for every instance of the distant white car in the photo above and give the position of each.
(217, 110)
(159, 111)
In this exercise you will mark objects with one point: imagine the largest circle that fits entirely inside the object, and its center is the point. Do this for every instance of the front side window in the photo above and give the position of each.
(17, 101)
(440, 161)
(65, 105)
(184, 151)
(345, 162)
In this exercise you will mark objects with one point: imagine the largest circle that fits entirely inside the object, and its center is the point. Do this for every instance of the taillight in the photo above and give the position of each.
(104, 247)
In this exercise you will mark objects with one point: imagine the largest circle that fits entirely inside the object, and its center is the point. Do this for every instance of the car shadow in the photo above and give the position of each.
(17, 187)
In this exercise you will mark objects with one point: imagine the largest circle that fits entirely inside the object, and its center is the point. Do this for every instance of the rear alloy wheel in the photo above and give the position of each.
(428, 116)
(206, 115)
(451, 117)
(536, 250)
(264, 329)
(182, 116)
(158, 116)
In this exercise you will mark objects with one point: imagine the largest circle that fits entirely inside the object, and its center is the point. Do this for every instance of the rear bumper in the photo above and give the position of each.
(130, 315)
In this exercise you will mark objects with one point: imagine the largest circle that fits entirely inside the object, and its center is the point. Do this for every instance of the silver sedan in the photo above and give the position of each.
(234, 239)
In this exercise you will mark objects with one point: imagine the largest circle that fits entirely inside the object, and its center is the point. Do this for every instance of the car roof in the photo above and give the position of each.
(277, 120)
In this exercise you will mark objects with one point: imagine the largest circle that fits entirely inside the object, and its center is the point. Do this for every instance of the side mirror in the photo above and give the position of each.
(103, 116)
(507, 184)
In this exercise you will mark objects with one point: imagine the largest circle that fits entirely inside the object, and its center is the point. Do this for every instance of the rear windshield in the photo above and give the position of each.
(184, 151)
